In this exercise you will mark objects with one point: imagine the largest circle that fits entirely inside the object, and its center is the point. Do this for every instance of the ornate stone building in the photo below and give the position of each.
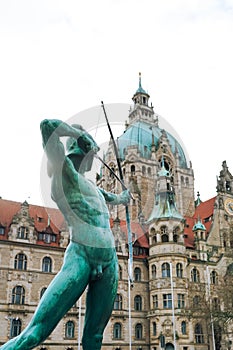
(182, 295)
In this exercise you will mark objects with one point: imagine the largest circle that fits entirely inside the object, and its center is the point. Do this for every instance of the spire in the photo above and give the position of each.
(140, 89)
(141, 96)
(198, 200)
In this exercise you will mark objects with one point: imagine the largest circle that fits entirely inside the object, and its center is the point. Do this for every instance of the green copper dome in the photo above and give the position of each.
(199, 226)
(144, 135)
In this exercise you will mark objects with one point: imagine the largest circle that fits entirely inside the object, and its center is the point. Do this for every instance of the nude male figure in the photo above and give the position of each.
(90, 258)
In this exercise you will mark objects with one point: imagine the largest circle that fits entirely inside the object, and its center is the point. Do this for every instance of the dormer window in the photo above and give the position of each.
(23, 232)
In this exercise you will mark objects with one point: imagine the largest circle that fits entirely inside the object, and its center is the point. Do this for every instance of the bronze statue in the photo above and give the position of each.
(90, 258)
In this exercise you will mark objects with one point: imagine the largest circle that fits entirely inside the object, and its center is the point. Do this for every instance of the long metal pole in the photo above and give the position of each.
(211, 316)
(130, 322)
(130, 243)
(173, 308)
(79, 322)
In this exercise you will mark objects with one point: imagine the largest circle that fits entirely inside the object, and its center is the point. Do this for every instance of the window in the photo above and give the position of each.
(20, 262)
(165, 270)
(165, 238)
(179, 270)
(22, 232)
(18, 295)
(138, 303)
(137, 274)
(47, 264)
(138, 331)
(213, 277)
(155, 301)
(118, 302)
(42, 292)
(132, 170)
(2, 230)
(70, 329)
(199, 337)
(46, 237)
(117, 331)
(15, 329)
(154, 328)
(195, 276)
(153, 271)
(180, 301)
(120, 272)
(118, 245)
(183, 327)
(216, 304)
(167, 301)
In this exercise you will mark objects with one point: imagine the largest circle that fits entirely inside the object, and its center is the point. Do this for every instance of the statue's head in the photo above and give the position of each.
(78, 152)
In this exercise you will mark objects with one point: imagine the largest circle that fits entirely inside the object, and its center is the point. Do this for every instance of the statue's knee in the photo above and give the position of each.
(92, 342)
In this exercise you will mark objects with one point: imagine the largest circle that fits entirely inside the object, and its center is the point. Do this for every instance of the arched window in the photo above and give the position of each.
(138, 331)
(199, 337)
(20, 262)
(118, 302)
(213, 277)
(164, 234)
(16, 326)
(153, 271)
(165, 238)
(138, 303)
(183, 327)
(132, 170)
(143, 170)
(47, 264)
(137, 274)
(179, 270)
(165, 270)
(117, 331)
(154, 239)
(70, 329)
(195, 275)
(22, 232)
(154, 328)
(42, 292)
(120, 272)
(149, 171)
(18, 295)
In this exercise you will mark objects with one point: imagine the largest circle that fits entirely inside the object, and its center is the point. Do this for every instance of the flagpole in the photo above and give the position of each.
(173, 308)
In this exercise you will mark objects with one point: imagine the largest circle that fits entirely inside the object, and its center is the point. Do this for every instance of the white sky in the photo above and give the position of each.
(59, 57)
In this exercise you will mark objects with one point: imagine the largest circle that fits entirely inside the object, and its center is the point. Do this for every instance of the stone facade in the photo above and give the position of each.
(181, 297)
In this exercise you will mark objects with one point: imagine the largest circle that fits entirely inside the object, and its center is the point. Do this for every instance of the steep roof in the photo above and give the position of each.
(45, 219)
(204, 212)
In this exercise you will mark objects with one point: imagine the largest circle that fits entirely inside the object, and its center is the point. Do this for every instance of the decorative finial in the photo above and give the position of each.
(140, 80)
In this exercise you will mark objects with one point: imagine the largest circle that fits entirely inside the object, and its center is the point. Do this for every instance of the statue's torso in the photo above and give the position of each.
(84, 208)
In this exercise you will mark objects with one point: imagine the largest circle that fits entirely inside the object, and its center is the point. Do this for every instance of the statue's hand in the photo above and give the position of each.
(125, 197)
(87, 143)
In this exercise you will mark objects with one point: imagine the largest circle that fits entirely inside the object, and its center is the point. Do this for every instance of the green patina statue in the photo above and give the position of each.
(90, 258)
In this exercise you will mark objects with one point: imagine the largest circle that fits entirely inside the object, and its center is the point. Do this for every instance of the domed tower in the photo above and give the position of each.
(142, 147)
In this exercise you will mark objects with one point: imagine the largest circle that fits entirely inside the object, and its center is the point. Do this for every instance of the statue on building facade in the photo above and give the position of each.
(90, 258)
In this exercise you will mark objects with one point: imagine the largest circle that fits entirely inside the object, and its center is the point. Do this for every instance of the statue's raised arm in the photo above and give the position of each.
(53, 129)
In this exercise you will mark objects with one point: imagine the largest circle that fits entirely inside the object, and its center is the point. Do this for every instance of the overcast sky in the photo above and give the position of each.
(59, 58)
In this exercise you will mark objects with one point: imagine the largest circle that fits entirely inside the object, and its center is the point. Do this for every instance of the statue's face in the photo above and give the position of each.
(82, 163)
